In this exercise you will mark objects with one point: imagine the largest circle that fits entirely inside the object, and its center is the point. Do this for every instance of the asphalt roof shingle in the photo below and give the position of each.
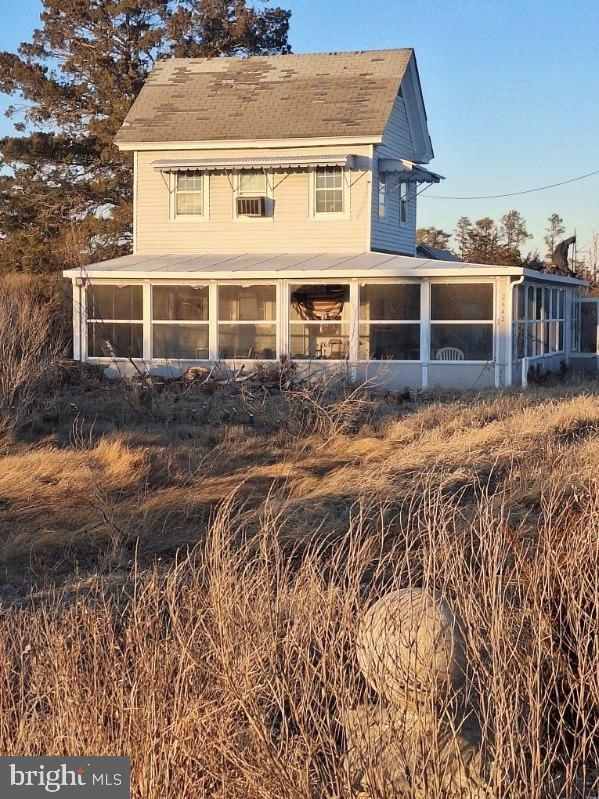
(267, 97)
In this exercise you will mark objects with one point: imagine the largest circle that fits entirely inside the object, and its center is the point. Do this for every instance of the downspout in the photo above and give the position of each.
(510, 359)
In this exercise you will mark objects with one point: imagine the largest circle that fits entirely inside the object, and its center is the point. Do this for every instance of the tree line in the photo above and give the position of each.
(486, 241)
(65, 190)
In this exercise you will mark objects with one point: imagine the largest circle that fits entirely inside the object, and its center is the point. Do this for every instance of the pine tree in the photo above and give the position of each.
(462, 235)
(433, 236)
(485, 242)
(65, 190)
(513, 229)
(554, 230)
(512, 234)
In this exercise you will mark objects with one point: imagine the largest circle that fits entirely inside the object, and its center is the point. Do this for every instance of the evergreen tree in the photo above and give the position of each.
(512, 234)
(434, 237)
(513, 229)
(554, 230)
(462, 235)
(485, 242)
(65, 190)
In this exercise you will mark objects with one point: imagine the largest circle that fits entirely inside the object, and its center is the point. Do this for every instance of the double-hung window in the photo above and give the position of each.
(247, 322)
(251, 183)
(461, 322)
(329, 191)
(189, 195)
(180, 322)
(390, 322)
(114, 321)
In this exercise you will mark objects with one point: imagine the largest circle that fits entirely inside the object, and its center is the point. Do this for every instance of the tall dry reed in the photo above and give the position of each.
(28, 350)
(229, 673)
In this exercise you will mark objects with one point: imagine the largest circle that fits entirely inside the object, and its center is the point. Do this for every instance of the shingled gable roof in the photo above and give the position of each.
(319, 95)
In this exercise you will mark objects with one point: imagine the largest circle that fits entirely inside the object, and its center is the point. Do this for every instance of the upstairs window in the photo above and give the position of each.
(251, 197)
(329, 191)
(382, 195)
(189, 200)
(403, 203)
(251, 184)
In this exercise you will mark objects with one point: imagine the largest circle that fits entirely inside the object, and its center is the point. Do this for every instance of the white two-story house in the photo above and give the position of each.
(275, 203)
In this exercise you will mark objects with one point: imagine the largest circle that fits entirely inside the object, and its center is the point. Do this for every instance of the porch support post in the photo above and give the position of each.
(213, 321)
(282, 318)
(524, 372)
(77, 312)
(147, 322)
(354, 329)
(497, 329)
(570, 297)
(425, 330)
(502, 331)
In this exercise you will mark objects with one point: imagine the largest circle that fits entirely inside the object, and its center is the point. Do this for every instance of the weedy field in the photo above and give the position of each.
(183, 571)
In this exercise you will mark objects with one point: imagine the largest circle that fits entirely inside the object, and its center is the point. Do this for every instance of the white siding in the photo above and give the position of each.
(387, 233)
(289, 229)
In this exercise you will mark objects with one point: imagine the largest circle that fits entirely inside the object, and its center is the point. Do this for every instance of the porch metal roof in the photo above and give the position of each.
(322, 266)
(253, 162)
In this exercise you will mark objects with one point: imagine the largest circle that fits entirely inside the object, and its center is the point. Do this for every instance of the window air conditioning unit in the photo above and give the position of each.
(251, 206)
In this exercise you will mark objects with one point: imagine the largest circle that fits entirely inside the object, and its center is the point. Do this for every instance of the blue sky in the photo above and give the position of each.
(511, 89)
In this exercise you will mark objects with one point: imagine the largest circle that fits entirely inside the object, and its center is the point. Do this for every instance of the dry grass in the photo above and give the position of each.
(27, 352)
(182, 579)
(229, 672)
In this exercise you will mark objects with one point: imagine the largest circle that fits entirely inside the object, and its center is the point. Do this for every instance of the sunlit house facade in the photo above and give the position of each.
(275, 216)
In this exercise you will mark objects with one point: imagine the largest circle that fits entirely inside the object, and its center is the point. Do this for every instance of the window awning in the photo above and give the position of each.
(253, 162)
(408, 171)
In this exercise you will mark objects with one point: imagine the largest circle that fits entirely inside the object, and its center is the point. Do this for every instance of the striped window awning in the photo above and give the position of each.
(253, 162)
(408, 171)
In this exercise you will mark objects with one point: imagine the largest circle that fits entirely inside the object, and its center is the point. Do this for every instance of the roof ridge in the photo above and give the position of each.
(315, 53)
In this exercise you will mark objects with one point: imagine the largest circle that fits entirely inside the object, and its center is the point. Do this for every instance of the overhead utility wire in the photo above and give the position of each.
(513, 193)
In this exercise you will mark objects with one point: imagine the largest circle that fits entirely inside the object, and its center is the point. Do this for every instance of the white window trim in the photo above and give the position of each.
(189, 218)
(270, 206)
(182, 322)
(313, 216)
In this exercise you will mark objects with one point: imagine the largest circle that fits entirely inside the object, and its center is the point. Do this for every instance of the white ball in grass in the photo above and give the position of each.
(409, 646)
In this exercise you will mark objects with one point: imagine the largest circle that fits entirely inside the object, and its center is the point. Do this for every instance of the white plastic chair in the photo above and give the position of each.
(449, 354)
